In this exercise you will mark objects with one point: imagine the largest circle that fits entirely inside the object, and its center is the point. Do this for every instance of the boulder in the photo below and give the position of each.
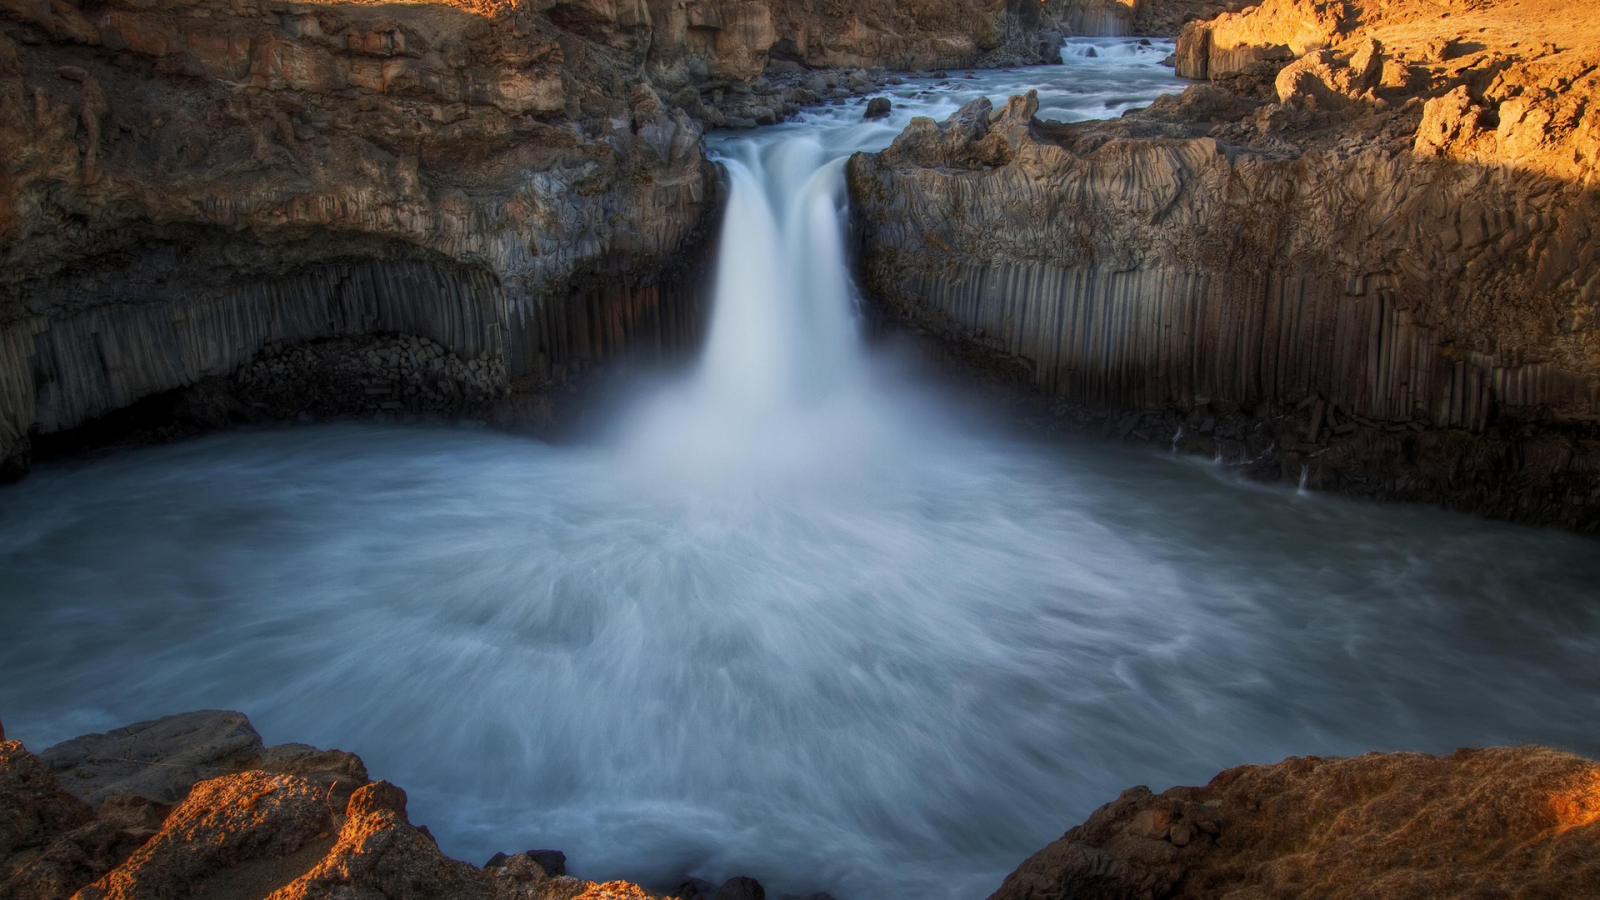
(224, 824)
(1499, 822)
(877, 108)
(159, 759)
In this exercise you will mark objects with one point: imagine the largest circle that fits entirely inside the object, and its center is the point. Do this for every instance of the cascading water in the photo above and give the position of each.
(794, 618)
(783, 322)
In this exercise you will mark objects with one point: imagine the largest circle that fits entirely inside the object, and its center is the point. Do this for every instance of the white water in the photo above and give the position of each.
(796, 616)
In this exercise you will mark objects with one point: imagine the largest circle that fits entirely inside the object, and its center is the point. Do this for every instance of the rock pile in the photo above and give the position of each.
(387, 373)
(194, 805)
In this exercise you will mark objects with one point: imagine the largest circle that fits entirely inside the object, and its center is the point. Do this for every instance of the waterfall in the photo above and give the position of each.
(783, 324)
(797, 616)
(778, 400)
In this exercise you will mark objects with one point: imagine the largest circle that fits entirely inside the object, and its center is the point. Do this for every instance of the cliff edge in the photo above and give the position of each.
(1362, 256)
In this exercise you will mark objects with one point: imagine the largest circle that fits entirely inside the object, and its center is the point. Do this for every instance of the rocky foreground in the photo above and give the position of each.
(194, 806)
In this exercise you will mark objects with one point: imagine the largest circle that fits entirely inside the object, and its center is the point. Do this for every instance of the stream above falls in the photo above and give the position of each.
(797, 614)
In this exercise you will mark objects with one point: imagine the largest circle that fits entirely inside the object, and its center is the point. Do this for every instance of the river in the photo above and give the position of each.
(796, 614)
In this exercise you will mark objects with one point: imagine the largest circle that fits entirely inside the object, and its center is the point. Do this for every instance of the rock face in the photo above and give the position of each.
(160, 760)
(1373, 272)
(288, 822)
(1154, 18)
(1500, 822)
(188, 185)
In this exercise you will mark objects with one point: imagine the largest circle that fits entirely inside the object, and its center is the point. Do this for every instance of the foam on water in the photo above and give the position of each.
(793, 616)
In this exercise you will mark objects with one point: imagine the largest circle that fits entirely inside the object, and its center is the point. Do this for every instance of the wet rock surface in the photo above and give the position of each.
(1376, 256)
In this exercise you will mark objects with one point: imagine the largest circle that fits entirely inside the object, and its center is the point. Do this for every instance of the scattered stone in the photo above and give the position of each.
(877, 108)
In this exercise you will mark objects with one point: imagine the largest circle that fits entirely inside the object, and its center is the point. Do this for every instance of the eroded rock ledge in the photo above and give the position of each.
(195, 806)
(1364, 255)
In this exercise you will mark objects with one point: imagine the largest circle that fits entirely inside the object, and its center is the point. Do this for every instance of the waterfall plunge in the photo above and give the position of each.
(779, 388)
(783, 316)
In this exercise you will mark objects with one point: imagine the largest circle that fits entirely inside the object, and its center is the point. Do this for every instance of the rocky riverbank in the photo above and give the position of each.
(1362, 256)
(195, 805)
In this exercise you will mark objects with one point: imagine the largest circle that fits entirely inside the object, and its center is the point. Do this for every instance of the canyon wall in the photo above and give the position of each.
(190, 183)
(1374, 268)
(1147, 18)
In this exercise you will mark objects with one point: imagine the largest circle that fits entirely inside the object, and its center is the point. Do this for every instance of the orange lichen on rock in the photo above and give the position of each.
(1500, 822)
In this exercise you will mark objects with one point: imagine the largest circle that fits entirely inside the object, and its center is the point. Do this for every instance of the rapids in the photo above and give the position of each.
(796, 615)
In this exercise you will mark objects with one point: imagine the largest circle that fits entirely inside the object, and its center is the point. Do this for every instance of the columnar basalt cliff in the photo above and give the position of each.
(190, 184)
(1364, 256)
(194, 805)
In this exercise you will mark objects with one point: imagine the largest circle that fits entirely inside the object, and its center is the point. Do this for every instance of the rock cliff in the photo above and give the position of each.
(494, 193)
(1151, 18)
(188, 184)
(195, 806)
(1363, 256)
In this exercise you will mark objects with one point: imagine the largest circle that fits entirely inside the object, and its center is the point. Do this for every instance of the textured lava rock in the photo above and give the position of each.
(50, 842)
(1479, 823)
(157, 762)
(223, 823)
(1500, 822)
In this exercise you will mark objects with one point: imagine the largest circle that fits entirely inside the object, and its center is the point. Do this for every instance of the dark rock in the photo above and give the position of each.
(741, 888)
(693, 888)
(877, 108)
(159, 759)
(496, 861)
(553, 862)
